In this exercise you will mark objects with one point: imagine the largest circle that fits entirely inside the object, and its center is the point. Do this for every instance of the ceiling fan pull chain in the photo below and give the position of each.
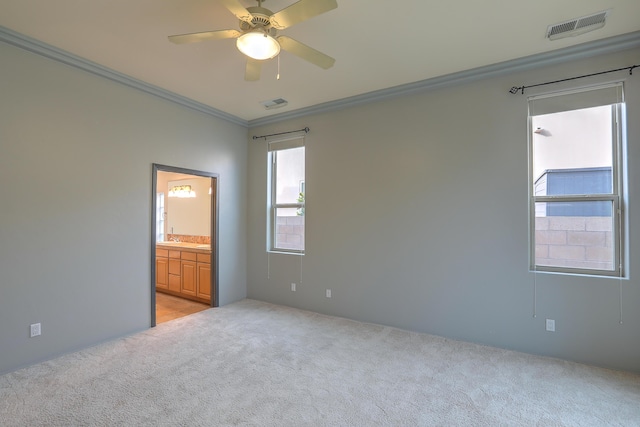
(278, 75)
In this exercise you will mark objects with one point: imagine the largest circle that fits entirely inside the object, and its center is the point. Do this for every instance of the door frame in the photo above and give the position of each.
(215, 185)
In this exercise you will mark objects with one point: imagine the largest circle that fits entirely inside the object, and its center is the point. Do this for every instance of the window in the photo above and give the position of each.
(287, 198)
(160, 217)
(575, 180)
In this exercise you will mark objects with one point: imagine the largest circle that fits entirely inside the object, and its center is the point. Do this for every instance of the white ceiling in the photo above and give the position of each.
(376, 44)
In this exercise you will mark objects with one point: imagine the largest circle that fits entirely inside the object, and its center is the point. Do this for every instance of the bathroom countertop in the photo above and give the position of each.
(195, 247)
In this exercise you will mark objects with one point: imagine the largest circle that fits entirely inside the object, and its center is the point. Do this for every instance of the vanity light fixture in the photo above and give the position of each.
(182, 191)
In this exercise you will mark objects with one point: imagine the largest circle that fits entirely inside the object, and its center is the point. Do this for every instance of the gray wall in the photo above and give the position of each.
(76, 154)
(417, 217)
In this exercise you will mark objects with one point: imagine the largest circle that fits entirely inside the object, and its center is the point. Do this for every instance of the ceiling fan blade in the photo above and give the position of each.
(207, 35)
(305, 52)
(239, 10)
(301, 11)
(252, 71)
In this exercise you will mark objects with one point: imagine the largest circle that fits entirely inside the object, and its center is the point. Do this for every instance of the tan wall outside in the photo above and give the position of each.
(578, 242)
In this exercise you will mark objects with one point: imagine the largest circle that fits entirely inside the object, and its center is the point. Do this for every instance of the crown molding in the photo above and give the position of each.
(572, 53)
(35, 46)
(585, 50)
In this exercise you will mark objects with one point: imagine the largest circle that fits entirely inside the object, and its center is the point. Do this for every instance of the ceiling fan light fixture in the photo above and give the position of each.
(258, 45)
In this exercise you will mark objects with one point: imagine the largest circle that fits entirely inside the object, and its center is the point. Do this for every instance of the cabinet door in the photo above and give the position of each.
(174, 282)
(188, 278)
(204, 281)
(162, 273)
(174, 266)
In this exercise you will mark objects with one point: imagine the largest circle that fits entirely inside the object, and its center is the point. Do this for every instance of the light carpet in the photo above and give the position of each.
(256, 364)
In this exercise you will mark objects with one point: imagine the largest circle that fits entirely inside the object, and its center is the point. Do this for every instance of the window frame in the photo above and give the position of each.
(615, 197)
(274, 148)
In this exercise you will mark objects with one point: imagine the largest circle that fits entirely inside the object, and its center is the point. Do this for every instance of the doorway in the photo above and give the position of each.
(184, 239)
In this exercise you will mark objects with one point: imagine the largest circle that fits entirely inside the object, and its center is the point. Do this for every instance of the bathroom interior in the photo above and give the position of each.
(184, 279)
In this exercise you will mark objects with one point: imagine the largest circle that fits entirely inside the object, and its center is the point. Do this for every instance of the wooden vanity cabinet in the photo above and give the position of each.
(184, 273)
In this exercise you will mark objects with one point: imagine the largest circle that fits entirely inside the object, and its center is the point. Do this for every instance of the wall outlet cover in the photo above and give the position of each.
(34, 330)
(551, 325)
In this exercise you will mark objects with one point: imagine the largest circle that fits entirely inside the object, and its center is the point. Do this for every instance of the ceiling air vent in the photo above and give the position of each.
(274, 103)
(577, 26)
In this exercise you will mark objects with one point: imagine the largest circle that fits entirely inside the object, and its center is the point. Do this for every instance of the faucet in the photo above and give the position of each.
(175, 239)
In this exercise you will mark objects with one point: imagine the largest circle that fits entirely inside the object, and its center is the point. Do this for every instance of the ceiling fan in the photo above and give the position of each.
(257, 37)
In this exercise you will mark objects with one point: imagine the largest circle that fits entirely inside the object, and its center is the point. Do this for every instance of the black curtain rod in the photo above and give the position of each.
(305, 130)
(521, 89)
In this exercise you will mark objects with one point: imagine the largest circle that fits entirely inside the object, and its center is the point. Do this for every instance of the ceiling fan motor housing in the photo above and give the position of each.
(261, 18)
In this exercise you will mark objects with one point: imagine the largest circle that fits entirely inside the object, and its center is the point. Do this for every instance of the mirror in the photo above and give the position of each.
(185, 218)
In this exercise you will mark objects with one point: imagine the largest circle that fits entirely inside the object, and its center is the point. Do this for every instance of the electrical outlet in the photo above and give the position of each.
(328, 293)
(35, 330)
(551, 325)
(293, 287)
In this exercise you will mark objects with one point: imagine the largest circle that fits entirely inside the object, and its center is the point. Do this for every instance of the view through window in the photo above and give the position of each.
(287, 201)
(160, 217)
(575, 141)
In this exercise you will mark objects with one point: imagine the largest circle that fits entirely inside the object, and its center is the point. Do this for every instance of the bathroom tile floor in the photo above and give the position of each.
(169, 307)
